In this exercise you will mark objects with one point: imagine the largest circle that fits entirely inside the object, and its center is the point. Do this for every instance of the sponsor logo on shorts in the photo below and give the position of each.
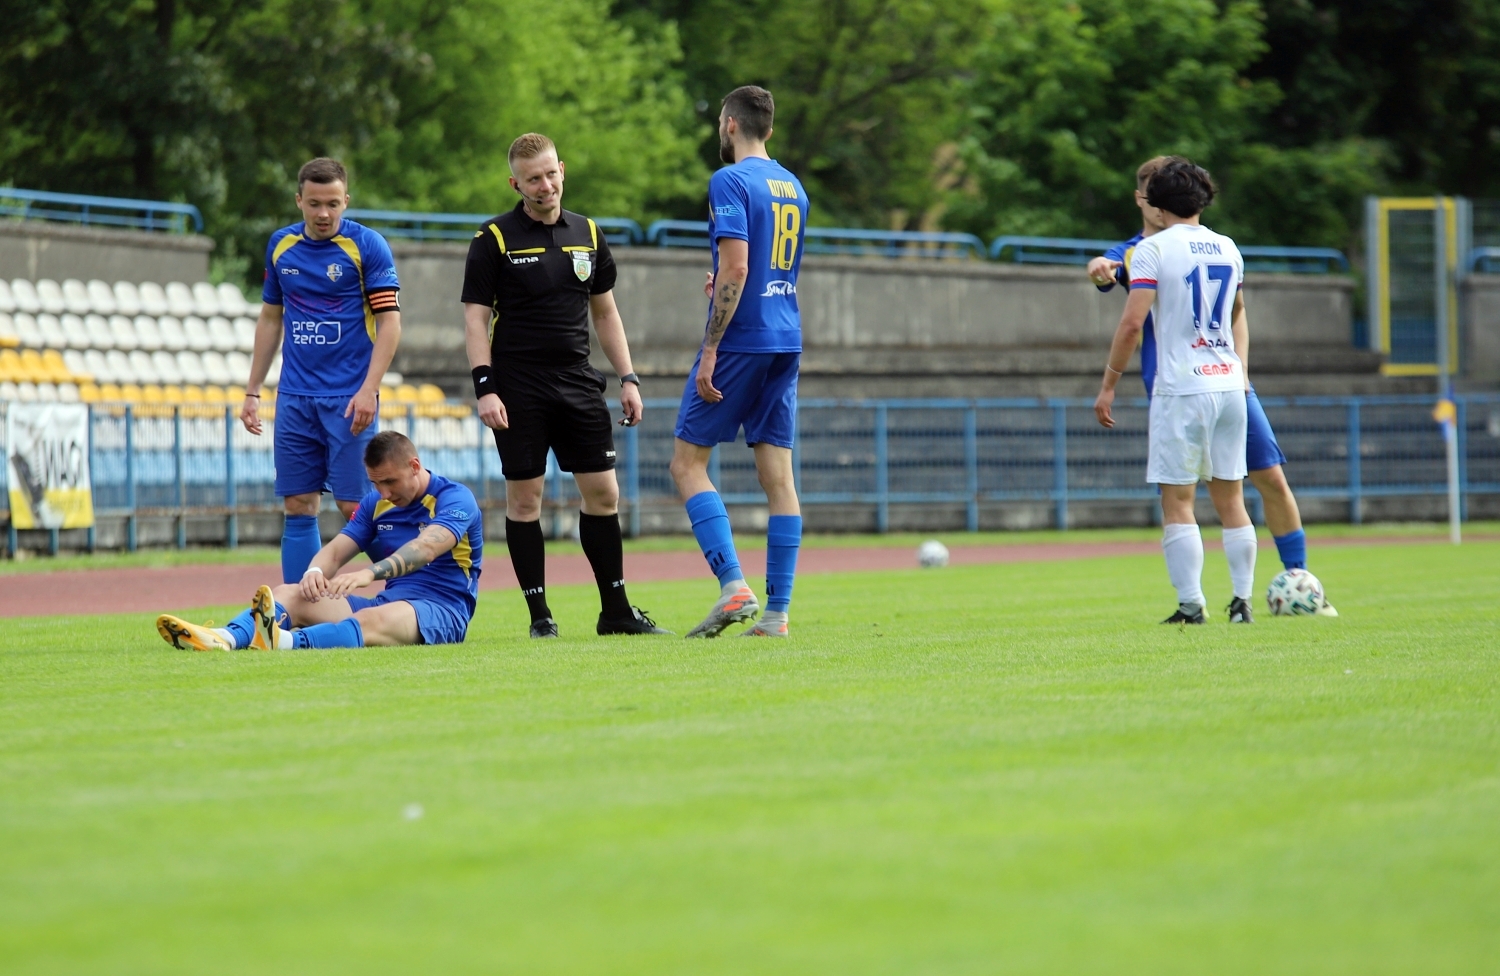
(335, 272)
(609, 453)
(1215, 369)
(778, 289)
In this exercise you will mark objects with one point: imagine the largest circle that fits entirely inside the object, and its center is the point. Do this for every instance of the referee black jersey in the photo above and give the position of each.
(538, 278)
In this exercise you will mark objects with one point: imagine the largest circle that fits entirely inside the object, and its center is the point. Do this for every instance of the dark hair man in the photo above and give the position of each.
(1263, 455)
(534, 277)
(424, 536)
(746, 373)
(330, 302)
(1197, 426)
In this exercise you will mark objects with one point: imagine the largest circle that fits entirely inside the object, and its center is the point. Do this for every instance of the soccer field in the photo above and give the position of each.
(979, 769)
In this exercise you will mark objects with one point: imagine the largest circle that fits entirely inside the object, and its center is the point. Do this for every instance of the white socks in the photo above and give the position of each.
(1240, 548)
(1183, 547)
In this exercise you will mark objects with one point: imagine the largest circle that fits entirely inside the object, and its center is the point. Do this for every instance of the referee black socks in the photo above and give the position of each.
(528, 554)
(605, 549)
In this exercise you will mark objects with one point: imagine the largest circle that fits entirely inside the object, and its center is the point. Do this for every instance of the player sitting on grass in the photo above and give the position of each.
(422, 532)
(1197, 421)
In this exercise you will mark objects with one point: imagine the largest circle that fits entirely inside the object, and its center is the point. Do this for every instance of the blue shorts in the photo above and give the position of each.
(760, 394)
(314, 450)
(438, 623)
(1261, 449)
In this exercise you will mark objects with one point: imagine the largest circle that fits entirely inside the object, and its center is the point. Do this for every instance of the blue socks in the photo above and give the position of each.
(711, 528)
(1292, 548)
(300, 542)
(345, 633)
(783, 538)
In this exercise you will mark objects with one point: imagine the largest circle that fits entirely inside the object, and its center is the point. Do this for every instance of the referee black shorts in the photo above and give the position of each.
(561, 409)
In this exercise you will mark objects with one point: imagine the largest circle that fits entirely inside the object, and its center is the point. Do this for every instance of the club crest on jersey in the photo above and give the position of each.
(335, 272)
(583, 265)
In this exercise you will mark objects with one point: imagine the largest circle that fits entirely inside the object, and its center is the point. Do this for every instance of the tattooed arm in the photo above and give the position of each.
(427, 546)
(729, 285)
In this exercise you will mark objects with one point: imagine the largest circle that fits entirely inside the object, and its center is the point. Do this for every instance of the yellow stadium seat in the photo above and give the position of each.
(151, 393)
(192, 393)
(405, 393)
(57, 370)
(389, 409)
(110, 393)
(130, 392)
(89, 393)
(32, 368)
(10, 367)
(234, 395)
(214, 395)
(428, 393)
(172, 394)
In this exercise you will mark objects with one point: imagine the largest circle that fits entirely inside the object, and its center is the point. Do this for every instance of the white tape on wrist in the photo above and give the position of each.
(313, 569)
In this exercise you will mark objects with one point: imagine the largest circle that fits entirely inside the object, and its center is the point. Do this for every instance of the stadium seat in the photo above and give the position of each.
(32, 370)
(8, 390)
(428, 393)
(130, 392)
(7, 300)
(124, 332)
(68, 393)
(215, 370)
(392, 379)
(273, 375)
(232, 301)
(173, 339)
(46, 393)
(120, 370)
(88, 393)
(10, 366)
(110, 393)
(148, 333)
(221, 333)
(234, 395)
(24, 293)
(213, 394)
(9, 338)
(196, 331)
(239, 365)
(405, 393)
(127, 298)
(97, 366)
(49, 293)
(102, 298)
(165, 365)
(192, 393)
(172, 394)
(26, 329)
(244, 333)
(76, 332)
(78, 366)
(205, 299)
(53, 336)
(151, 393)
(26, 392)
(190, 365)
(141, 366)
(56, 370)
(101, 336)
(153, 299)
(76, 297)
(179, 299)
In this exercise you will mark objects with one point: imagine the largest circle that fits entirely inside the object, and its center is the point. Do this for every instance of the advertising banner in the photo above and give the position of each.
(47, 458)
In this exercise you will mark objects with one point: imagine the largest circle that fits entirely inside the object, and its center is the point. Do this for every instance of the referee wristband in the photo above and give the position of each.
(484, 381)
(631, 378)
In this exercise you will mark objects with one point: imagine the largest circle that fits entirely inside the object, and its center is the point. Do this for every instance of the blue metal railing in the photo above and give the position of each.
(838, 240)
(75, 208)
(415, 226)
(1485, 260)
(1078, 251)
(963, 454)
(1048, 250)
(1295, 260)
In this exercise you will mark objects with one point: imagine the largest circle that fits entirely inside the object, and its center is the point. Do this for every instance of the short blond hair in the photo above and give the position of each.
(1149, 169)
(530, 146)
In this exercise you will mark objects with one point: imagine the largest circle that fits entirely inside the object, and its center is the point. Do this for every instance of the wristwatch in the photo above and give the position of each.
(630, 378)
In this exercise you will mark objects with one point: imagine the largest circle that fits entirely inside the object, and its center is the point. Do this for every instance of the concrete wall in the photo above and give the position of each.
(35, 249)
(1481, 328)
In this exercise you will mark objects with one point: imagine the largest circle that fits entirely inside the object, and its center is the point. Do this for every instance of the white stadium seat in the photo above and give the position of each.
(120, 370)
(217, 371)
(24, 293)
(147, 333)
(239, 366)
(76, 331)
(205, 299)
(391, 378)
(143, 368)
(273, 376)
(196, 331)
(231, 300)
(244, 332)
(222, 334)
(124, 333)
(101, 336)
(165, 365)
(7, 300)
(25, 324)
(8, 391)
(76, 297)
(46, 393)
(49, 293)
(179, 299)
(26, 392)
(53, 336)
(76, 362)
(102, 298)
(153, 299)
(172, 337)
(127, 298)
(8, 334)
(67, 393)
(190, 365)
(97, 366)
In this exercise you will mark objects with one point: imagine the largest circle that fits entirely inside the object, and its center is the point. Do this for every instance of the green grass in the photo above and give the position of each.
(974, 770)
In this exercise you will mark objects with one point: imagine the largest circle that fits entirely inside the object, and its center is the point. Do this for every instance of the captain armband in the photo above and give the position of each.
(385, 301)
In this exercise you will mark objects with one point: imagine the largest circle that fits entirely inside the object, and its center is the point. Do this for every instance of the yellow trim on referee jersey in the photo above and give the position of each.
(593, 232)
(573, 247)
(284, 245)
(352, 249)
(462, 552)
(529, 250)
(499, 237)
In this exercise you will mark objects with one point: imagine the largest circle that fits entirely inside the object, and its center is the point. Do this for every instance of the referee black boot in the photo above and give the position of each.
(636, 623)
(546, 627)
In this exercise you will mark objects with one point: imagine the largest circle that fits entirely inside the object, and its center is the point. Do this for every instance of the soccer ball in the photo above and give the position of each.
(932, 553)
(1295, 592)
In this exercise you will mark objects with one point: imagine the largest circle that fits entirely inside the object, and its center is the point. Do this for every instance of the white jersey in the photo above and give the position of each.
(1196, 274)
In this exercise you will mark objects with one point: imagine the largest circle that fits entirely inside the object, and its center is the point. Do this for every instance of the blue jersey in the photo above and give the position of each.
(329, 292)
(1123, 253)
(758, 201)
(381, 528)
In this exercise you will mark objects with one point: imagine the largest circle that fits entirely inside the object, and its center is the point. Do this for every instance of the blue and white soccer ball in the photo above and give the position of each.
(932, 554)
(1295, 593)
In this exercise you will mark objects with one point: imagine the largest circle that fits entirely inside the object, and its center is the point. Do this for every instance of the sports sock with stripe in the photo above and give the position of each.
(528, 556)
(711, 528)
(300, 542)
(242, 628)
(345, 633)
(1292, 548)
(1182, 544)
(605, 548)
(783, 539)
(1240, 548)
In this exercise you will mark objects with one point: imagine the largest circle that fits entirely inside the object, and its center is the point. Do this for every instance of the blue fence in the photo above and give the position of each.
(879, 453)
(413, 226)
(74, 208)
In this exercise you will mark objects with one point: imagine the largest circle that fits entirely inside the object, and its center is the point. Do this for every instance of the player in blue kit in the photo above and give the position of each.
(331, 304)
(746, 372)
(1263, 455)
(424, 536)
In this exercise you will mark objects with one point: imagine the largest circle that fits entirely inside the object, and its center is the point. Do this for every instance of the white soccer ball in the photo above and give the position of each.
(932, 553)
(1295, 592)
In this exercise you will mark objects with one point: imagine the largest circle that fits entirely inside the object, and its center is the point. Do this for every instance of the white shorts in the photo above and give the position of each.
(1196, 437)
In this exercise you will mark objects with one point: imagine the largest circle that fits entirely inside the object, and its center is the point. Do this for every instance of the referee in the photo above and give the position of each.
(533, 277)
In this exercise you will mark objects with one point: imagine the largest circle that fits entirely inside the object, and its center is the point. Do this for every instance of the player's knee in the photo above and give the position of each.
(302, 504)
(1271, 481)
(602, 499)
(347, 509)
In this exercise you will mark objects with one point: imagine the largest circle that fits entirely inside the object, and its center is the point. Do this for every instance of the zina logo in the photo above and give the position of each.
(778, 289)
(335, 272)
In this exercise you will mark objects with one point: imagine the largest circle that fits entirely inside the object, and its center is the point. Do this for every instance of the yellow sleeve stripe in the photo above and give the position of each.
(352, 249)
(593, 233)
(284, 245)
(499, 237)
